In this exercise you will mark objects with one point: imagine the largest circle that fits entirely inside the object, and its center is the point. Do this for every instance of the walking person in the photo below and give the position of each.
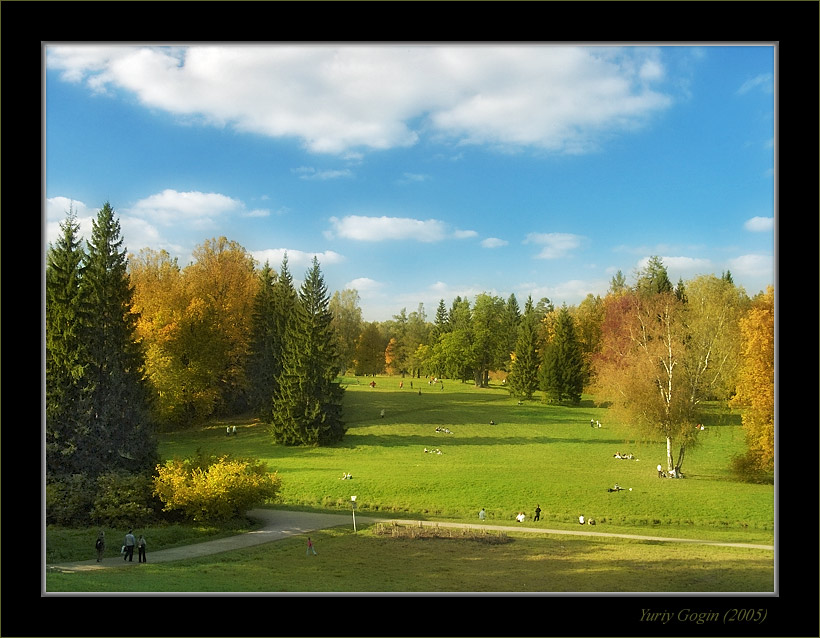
(141, 549)
(100, 545)
(310, 548)
(537, 513)
(130, 541)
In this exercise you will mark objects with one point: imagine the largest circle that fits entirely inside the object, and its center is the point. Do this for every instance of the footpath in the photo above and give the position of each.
(279, 524)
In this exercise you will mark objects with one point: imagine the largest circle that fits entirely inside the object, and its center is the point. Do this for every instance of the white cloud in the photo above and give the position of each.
(555, 245)
(343, 98)
(192, 208)
(752, 266)
(759, 224)
(296, 258)
(380, 228)
(493, 242)
(365, 286)
(465, 234)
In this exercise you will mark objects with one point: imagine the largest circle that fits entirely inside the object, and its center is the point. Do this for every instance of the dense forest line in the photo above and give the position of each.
(137, 344)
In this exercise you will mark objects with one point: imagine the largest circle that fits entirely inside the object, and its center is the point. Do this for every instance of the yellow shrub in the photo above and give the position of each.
(217, 491)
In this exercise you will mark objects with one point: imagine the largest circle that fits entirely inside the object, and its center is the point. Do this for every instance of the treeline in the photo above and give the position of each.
(224, 336)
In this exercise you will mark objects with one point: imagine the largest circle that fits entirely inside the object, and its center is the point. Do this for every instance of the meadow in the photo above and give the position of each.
(533, 454)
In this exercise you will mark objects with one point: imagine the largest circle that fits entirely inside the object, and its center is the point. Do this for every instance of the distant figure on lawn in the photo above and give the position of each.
(233, 430)
(310, 548)
(521, 516)
(481, 514)
(100, 545)
(581, 519)
(382, 414)
(537, 513)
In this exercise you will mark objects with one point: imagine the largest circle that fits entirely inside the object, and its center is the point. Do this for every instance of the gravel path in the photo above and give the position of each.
(279, 524)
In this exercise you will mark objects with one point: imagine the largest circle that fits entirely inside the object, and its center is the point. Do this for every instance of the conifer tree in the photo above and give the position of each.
(120, 434)
(523, 377)
(307, 402)
(265, 344)
(65, 353)
(562, 369)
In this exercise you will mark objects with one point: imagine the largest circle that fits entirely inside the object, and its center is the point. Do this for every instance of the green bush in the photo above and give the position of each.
(69, 501)
(208, 489)
(125, 500)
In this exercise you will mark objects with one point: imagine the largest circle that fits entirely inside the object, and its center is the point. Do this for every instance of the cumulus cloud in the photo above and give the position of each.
(380, 228)
(493, 242)
(465, 234)
(343, 98)
(555, 245)
(296, 258)
(759, 224)
(193, 207)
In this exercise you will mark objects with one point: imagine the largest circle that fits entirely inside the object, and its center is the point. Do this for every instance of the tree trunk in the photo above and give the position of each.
(670, 462)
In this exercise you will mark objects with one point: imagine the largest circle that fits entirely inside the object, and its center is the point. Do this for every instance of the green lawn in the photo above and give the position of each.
(363, 562)
(534, 454)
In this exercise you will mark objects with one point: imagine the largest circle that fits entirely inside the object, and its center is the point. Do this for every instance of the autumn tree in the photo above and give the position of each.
(639, 369)
(755, 388)
(161, 303)
(222, 284)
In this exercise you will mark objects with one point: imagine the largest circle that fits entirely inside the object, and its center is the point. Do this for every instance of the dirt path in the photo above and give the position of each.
(279, 524)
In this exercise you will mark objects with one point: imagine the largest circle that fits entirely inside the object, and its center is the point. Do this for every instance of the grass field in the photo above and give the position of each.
(534, 454)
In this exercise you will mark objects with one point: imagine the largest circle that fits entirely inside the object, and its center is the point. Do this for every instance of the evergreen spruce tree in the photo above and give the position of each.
(265, 344)
(120, 434)
(523, 377)
(307, 404)
(65, 354)
(562, 369)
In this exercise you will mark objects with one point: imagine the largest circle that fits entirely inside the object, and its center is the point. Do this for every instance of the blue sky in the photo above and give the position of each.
(418, 173)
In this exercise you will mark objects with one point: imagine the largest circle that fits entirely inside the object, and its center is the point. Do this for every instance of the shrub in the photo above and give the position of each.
(210, 489)
(125, 500)
(69, 501)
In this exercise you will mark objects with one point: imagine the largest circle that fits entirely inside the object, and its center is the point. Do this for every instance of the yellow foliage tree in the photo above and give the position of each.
(755, 389)
(208, 490)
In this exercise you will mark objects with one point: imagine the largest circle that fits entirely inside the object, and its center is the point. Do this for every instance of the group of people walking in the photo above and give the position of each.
(127, 551)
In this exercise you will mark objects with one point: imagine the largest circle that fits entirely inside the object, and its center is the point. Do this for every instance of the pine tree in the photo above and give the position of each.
(120, 434)
(307, 403)
(562, 369)
(65, 353)
(523, 377)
